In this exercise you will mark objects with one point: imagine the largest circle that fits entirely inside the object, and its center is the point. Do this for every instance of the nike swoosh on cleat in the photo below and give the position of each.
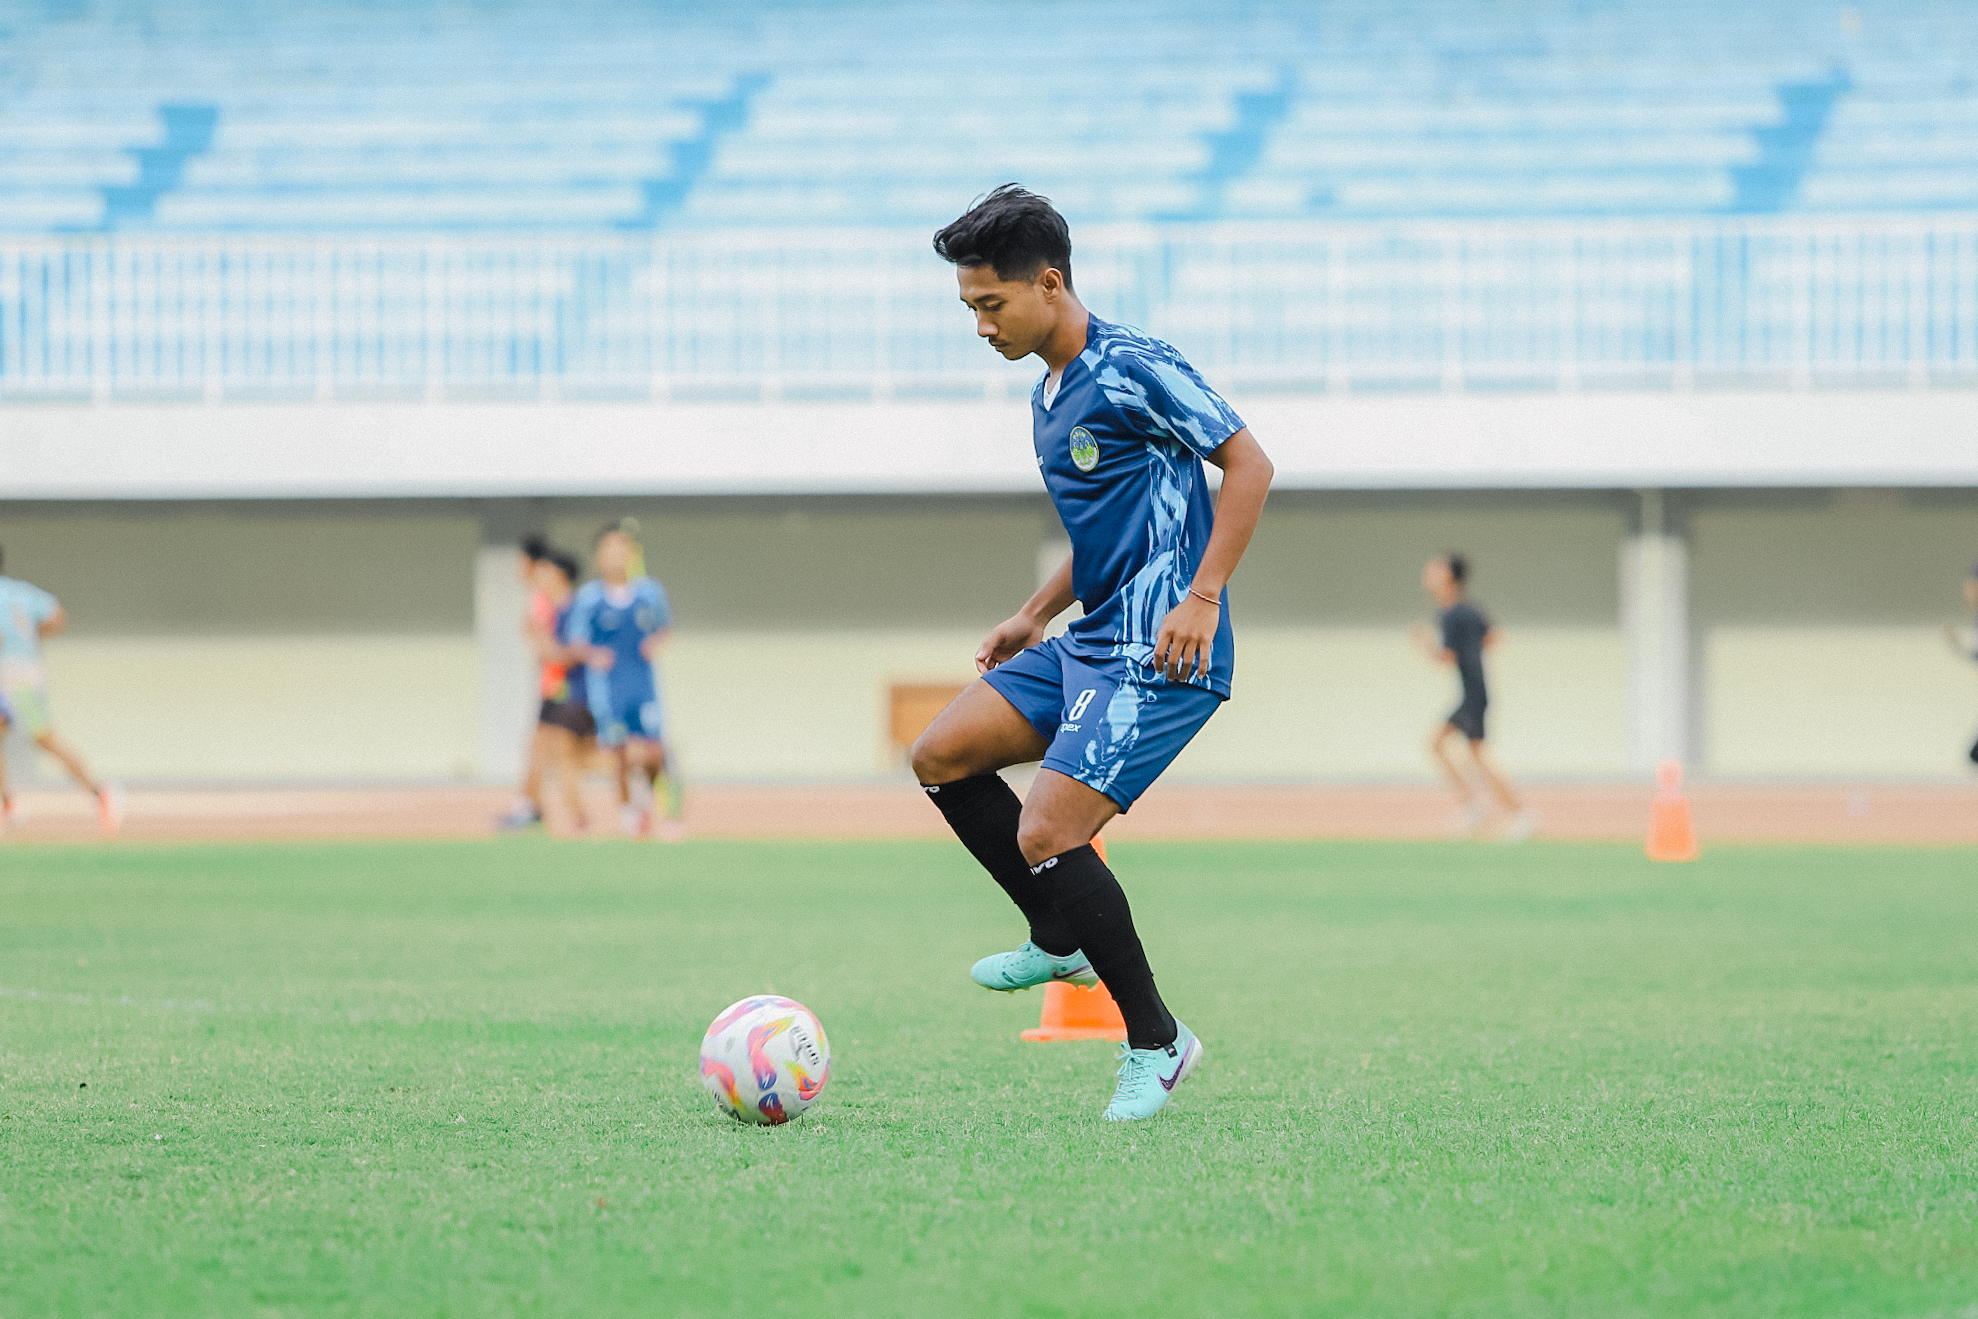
(1168, 1083)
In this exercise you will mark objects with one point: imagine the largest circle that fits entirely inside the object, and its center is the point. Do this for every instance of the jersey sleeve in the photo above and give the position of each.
(1164, 394)
(661, 606)
(38, 604)
(577, 628)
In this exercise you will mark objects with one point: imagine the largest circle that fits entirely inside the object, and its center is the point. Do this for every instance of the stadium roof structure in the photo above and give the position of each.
(1595, 439)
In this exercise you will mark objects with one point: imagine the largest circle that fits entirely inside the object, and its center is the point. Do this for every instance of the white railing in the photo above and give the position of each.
(873, 314)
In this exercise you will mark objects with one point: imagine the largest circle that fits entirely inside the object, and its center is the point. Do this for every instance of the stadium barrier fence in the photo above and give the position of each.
(765, 315)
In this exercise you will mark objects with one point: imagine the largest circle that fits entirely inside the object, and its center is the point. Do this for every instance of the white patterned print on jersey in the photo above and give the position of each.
(1120, 447)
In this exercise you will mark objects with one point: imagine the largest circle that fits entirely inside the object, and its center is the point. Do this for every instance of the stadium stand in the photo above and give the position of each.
(199, 117)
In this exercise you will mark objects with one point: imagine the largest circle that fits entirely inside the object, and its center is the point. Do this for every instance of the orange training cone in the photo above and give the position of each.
(1074, 1013)
(1671, 832)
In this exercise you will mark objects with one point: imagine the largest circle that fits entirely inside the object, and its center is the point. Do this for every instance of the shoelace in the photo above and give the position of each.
(1133, 1062)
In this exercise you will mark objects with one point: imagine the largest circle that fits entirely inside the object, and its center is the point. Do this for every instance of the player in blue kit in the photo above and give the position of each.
(622, 620)
(1122, 425)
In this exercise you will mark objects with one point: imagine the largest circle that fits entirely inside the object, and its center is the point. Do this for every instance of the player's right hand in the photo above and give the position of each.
(1007, 640)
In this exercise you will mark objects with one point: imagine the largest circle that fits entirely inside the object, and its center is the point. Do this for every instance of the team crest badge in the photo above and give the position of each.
(1084, 449)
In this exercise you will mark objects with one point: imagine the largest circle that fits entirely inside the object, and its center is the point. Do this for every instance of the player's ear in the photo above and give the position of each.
(1051, 283)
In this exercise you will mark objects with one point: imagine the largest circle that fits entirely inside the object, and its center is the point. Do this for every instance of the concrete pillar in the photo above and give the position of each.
(1655, 628)
(508, 687)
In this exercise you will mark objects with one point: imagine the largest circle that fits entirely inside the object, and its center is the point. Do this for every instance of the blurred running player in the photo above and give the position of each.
(1966, 643)
(538, 621)
(28, 616)
(1121, 425)
(622, 620)
(564, 725)
(1465, 633)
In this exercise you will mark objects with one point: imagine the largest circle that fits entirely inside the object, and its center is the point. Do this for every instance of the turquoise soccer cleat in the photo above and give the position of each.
(1030, 965)
(1147, 1077)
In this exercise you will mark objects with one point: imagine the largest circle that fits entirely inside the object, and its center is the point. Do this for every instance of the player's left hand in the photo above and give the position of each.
(1187, 639)
(603, 657)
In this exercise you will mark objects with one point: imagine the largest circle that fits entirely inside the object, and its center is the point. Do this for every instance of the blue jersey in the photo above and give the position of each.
(1121, 450)
(620, 623)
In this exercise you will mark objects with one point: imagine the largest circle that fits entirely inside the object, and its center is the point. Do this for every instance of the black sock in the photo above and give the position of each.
(983, 812)
(1095, 910)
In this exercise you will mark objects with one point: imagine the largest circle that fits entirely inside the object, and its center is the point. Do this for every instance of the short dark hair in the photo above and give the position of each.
(1459, 567)
(623, 526)
(563, 562)
(1013, 231)
(534, 548)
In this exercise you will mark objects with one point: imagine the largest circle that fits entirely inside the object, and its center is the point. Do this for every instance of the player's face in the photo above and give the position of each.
(545, 578)
(1435, 576)
(614, 554)
(1016, 316)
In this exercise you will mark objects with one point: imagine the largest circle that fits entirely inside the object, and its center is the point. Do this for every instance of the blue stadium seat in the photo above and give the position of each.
(599, 115)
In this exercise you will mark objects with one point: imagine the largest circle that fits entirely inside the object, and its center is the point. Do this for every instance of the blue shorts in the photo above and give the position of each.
(1113, 726)
(629, 712)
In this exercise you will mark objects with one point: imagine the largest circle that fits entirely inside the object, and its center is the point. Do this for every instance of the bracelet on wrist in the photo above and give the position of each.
(1209, 599)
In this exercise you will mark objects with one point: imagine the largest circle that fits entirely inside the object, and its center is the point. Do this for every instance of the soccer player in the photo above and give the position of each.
(1967, 646)
(1465, 633)
(28, 616)
(622, 622)
(1121, 425)
(538, 620)
(564, 723)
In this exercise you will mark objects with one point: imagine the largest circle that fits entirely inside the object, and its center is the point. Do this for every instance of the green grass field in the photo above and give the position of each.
(459, 1079)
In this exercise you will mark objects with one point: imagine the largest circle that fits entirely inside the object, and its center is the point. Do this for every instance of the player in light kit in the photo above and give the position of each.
(623, 621)
(1465, 633)
(1122, 425)
(28, 615)
(1967, 644)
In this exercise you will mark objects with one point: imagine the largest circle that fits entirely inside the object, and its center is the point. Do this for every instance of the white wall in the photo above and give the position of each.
(318, 641)
(1444, 441)
(801, 705)
(1325, 703)
(217, 708)
(1799, 702)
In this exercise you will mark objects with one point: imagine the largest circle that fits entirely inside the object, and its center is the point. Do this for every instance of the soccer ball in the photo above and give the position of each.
(765, 1059)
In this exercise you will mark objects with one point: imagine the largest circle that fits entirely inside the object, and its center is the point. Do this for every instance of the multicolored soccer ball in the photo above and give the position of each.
(765, 1059)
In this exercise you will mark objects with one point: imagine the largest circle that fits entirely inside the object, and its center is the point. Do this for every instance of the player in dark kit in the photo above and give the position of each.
(1464, 635)
(1122, 426)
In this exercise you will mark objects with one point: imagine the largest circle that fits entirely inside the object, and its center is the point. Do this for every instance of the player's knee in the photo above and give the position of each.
(1041, 839)
(933, 759)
